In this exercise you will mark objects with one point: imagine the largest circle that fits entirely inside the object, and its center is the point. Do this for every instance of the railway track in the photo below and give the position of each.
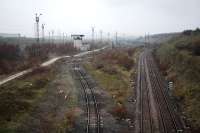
(147, 125)
(152, 95)
(92, 107)
(169, 122)
(145, 111)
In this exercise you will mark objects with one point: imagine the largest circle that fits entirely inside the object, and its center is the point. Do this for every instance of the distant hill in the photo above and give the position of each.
(158, 38)
(13, 39)
(9, 35)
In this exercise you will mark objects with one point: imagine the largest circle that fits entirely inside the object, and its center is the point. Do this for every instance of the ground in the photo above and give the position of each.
(179, 61)
(42, 101)
(50, 99)
(114, 71)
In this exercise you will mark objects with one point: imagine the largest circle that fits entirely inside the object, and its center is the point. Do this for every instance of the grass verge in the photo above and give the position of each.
(113, 70)
(18, 97)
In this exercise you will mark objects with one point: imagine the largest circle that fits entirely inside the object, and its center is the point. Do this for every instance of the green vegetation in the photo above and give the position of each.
(112, 70)
(44, 100)
(179, 60)
(114, 83)
(19, 97)
(15, 57)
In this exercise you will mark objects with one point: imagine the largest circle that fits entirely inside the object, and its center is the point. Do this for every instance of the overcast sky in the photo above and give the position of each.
(131, 17)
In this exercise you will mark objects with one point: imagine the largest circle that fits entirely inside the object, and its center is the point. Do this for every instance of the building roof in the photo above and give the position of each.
(77, 35)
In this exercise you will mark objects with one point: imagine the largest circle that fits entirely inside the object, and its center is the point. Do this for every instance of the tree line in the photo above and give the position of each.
(14, 57)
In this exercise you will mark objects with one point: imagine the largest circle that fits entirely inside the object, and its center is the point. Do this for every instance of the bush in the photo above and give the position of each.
(9, 52)
(179, 58)
(196, 47)
(109, 69)
(131, 51)
(187, 32)
(120, 111)
(119, 57)
(98, 65)
(126, 62)
(70, 120)
(10, 105)
(44, 50)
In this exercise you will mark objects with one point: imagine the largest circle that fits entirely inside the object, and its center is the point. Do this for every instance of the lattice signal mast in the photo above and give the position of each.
(116, 38)
(43, 35)
(37, 19)
(52, 36)
(101, 35)
(93, 35)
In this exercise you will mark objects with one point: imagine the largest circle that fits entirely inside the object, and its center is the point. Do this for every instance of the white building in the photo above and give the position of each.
(85, 47)
(78, 42)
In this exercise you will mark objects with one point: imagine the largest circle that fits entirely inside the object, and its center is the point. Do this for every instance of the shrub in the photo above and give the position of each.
(98, 64)
(70, 120)
(131, 51)
(10, 105)
(119, 57)
(187, 32)
(9, 52)
(109, 69)
(120, 111)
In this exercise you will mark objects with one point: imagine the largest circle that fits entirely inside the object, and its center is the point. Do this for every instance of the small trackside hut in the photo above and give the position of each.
(78, 42)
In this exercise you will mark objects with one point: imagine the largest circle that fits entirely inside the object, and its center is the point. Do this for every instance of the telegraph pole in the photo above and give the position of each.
(101, 36)
(116, 38)
(37, 19)
(148, 39)
(108, 36)
(66, 39)
(145, 40)
(43, 32)
(63, 38)
(93, 35)
(19, 39)
(49, 37)
(93, 40)
(52, 36)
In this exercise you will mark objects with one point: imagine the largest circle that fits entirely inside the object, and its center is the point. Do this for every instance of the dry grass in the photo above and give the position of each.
(112, 70)
(18, 97)
(179, 60)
